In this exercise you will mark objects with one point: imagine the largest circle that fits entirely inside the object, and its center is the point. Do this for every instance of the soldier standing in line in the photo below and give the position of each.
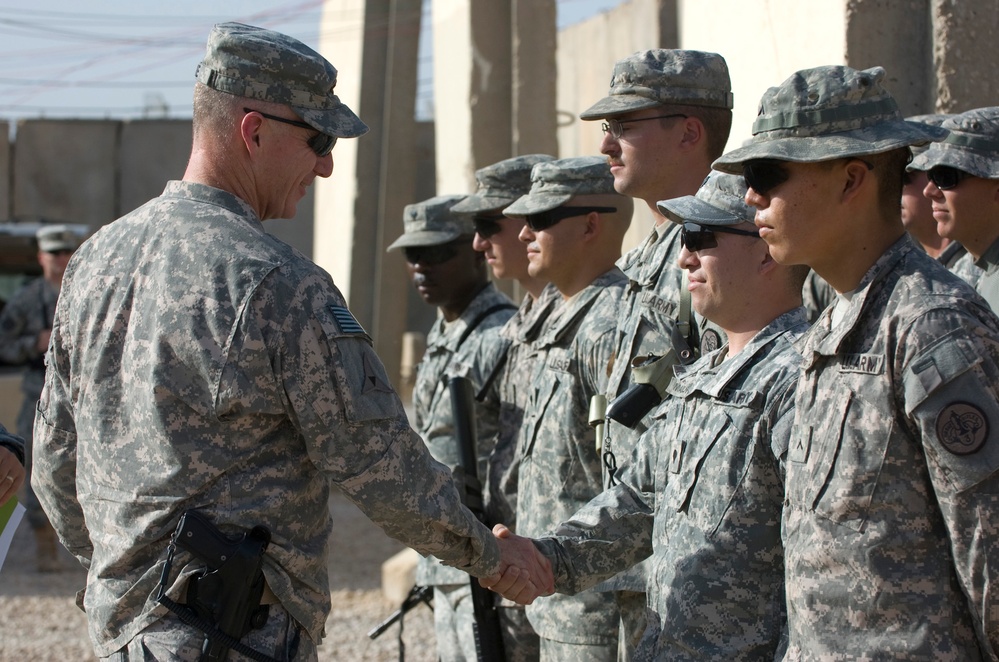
(25, 327)
(574, 223)
(962, 187)
(893, 460)
(667, 116)
(201, 367)
(464, 342)
(497, 237)
(704, 490)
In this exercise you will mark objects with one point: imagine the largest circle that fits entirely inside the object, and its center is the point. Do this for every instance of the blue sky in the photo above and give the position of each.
(116, 59)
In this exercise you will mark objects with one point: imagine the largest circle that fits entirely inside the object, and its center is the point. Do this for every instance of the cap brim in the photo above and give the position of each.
(424, 238)
(474, 204)
(809, 149)
(617, 104)
(971, 162)
(535, 204)
(340, 121)
(692, 208)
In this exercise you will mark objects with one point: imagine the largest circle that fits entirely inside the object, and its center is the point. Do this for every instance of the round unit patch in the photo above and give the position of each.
(962, 428)
(710, 341)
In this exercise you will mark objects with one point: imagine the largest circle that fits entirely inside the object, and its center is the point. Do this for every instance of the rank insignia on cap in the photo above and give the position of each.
(962, 428)
(346, 322)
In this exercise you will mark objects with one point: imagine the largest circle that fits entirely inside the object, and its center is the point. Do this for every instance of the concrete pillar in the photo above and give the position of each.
(896, 36)
(533, 77)
(964, 34)
(65, 170)
(5, 170)
(359, 209)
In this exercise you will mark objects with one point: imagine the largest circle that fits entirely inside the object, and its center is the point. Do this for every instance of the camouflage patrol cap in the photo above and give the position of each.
(254, 63)
(933, 119)
(719, 201)
(554, 183)
(433, 222)
(828, 113)
(660, 77)
(972, 144)
(53, 238)
(501, 183)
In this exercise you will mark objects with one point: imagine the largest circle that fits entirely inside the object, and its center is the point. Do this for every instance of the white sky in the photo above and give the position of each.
(117, 59)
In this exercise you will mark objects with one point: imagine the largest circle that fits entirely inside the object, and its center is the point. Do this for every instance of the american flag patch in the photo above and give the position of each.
(346, 322)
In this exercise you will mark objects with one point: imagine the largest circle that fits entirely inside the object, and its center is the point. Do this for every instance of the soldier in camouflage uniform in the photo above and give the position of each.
(703, 492)
(12, 471)
(198, 362)
(917, 216)
(497, 237)
(574, 225)
(666, 117)
(25, 327)
(963, 188)
(889, 519)
(464, 342)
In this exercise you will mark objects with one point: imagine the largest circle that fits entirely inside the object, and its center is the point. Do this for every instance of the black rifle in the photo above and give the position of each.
(417, 595)
(223, 601)
(488, 635)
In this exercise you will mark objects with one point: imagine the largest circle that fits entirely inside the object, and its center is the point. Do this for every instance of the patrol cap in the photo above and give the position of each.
(255, 63)
(56, 238)
(554, 183)
(501, 183)
(828, 113)
(972, 144)
(660, 77)
(933, 119)
(719, 201)
(433, 222)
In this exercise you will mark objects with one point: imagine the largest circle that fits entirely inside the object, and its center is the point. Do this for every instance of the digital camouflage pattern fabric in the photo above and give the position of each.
(703, 495)
(199, 362)
(560, 468)
(892, 472)
(500, 184)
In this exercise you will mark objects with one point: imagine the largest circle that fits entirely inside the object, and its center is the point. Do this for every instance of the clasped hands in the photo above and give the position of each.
(525, 573)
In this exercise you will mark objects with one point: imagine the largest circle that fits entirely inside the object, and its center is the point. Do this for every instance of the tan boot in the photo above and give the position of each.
(48, 549)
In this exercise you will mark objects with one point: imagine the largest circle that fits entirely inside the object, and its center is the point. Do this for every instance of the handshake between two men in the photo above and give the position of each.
(524, 574)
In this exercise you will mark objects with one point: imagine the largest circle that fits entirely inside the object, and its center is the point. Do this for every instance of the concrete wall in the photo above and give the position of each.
(965, 33)
(5, 171)
(152, 152)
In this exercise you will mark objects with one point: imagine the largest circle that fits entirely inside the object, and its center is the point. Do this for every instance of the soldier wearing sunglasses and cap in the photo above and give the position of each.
(703, 491)
(962, 187)
(893, 460)
(463, 342)
(574, 223)
(200, 367)
(666, 117)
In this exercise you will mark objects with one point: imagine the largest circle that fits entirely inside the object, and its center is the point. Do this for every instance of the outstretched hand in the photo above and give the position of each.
(11, 474)
(524, 574)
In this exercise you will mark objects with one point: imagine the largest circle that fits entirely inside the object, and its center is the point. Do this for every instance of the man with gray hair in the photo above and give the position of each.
(703, 491)
(574, 223)
(963, 189)
(893, 460)
(667, 116)
(201, 371)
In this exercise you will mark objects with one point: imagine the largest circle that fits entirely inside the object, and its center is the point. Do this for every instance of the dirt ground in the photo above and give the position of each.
(39, 621)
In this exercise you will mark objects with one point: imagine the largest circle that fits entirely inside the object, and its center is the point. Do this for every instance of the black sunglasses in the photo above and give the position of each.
(545, 219)
(321, 143)
(946, 177)
(762, 175)
(431, 255)
(486, 225)
(697, 237)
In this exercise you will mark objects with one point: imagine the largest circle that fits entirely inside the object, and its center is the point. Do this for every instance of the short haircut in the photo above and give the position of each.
(717, 125)
(890, 170)
(213, 113)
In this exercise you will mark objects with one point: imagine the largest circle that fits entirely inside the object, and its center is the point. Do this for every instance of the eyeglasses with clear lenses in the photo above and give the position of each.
(946, 177)
(321, 143)
(546, 219)
(697, 237)
(616, 127)
(486, 225)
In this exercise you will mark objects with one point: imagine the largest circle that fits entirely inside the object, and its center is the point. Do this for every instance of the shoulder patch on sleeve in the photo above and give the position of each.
(962, 428)
(346, 322)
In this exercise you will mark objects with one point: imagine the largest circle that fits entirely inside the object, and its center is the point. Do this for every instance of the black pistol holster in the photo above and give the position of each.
(223, 600)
